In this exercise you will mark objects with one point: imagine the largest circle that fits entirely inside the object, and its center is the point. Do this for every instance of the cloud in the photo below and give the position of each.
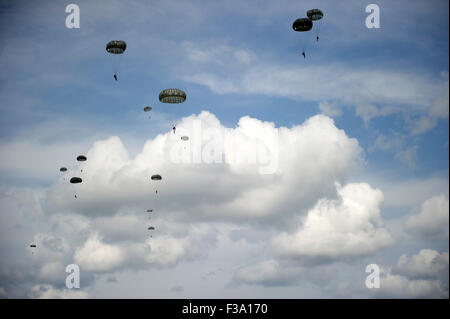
(106, 225)
(348, 86)
(432, 220)
(329, 110)
(97, 256)
(169, 250)
(177, 289)
(372, 93)
(438, 109)
(268, 273)
(396, 286)
(426, 264)
(113, 181)
(423, 275)
(408, 156)
(52, 272)
(395, 143)
(410, 192)
(111, 279)
(350, 226)
(49, 292)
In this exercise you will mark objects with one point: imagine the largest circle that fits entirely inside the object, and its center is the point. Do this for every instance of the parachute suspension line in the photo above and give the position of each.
(319, 24)
(118, 62)
(115, 63)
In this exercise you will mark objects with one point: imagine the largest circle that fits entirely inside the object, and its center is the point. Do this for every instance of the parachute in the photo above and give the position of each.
(185, 138)
(302, 25)
(116, 47)
(81, 158)
(148, 109)
(156, 178)
(32, 246)
(172, 96)
(316, 15)
(75, 180)
(149, 210)
(63, 169)
(151, 228)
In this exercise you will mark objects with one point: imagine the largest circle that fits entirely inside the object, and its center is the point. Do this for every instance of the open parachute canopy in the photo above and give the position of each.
(147, 109)
(185, 138)
(314, 14)
(302, 25)
(33, 246)
(116, 46)
(151, 228)
(75, 180)
(172, 96)
(63, 169)
(149, 210)
(81, 158)
(156, 178)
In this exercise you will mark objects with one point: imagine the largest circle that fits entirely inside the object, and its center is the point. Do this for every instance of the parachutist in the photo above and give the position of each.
(317, 38)
(304, 55)
(115, 77)
(174, 128)
(76, 196)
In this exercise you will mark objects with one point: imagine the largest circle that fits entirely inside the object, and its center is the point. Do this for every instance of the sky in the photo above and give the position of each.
(298, 172)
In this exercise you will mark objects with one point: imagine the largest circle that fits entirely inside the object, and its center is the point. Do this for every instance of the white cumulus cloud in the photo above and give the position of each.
(349, 226)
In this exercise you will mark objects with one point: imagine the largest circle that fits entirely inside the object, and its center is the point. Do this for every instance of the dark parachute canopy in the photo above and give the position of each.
(63, 169)
(302, 25)
(147, 109)
(185, 138)
(81, 158)
(33, 246)
(172, 96)
(116, 46)
(314, 14)
(75, 180)
(149, 210)
(156, 178)
(151, 228)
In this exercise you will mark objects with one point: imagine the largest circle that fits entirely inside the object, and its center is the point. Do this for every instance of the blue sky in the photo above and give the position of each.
(384, 89)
